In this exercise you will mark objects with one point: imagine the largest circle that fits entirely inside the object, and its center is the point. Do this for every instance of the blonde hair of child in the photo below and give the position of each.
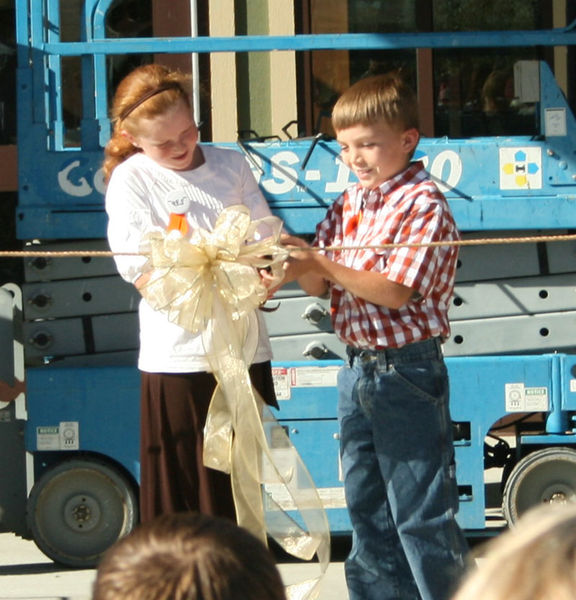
(534, 560)
(380, 97)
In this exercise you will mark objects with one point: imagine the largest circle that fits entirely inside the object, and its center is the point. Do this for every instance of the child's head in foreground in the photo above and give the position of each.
(376, 124)
(188, 556)
(534, 560)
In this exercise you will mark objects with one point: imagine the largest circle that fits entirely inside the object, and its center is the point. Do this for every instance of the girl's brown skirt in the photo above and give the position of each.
(173, 477)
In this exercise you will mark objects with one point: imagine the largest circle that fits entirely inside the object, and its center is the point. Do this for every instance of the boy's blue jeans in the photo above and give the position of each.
(399, 473)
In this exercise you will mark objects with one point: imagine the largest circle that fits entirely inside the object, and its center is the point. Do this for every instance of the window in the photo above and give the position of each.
(470, 93)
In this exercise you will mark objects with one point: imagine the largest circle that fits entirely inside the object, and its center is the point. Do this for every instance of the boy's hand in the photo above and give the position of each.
(298, 262)
(304, 266)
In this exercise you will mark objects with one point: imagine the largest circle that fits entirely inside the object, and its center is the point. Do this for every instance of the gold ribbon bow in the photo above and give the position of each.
(210, 285)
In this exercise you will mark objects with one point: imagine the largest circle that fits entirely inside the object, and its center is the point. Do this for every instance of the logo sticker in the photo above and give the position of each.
(520, 168)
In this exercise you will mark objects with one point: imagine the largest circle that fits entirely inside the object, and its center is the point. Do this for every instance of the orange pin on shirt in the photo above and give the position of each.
(178, 223)
(352, 224)
(351, 219)
(178, 204)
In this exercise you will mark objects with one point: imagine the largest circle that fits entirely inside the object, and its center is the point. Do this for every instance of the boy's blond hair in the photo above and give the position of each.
(381, 97)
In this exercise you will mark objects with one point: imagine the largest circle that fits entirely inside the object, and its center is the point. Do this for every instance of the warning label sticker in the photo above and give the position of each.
(278, 495)
(286, 378)
(520, 398)
(281, 383)
(314, 376)
(63, 436)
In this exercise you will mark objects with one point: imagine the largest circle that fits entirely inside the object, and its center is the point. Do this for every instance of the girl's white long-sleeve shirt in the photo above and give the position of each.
(136, 204)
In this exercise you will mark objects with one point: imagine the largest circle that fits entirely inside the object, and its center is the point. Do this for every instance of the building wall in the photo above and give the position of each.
(254, 91)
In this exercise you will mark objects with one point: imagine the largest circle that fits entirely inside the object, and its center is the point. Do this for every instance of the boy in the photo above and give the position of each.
(389, 305)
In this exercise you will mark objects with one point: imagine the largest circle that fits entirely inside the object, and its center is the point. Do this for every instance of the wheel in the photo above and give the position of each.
(78, 509)
(544, 476)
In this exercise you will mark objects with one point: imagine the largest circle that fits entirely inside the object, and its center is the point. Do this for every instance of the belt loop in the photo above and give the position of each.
(383, 359)
(438, 344)
(350, 352)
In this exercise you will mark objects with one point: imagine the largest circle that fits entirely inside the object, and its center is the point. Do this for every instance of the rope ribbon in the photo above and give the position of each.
(470, 242)
(210, 286)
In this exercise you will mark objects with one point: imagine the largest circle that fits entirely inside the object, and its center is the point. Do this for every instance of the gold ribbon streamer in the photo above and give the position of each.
(210, 285)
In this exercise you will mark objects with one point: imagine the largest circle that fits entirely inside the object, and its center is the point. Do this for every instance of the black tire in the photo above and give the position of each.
(79, 508)
(543, 476)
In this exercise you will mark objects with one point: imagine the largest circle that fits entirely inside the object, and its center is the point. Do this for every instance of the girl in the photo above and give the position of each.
(159, 177)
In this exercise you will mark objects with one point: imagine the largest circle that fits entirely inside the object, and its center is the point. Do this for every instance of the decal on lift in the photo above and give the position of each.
(277, 495)
(78, 177)
(314, 376)
(281, 383)
(521, 168)
(446, 169)
(287, 378)
(520, 398)
(555, 122)
(72, 179)
(58, 437)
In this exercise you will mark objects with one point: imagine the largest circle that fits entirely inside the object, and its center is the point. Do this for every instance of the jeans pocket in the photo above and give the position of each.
(365, 391)
(427, 381)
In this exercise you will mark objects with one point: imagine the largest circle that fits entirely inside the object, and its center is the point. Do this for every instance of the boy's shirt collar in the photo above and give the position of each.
(391, 184)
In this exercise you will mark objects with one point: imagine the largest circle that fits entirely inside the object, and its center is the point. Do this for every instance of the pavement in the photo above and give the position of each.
(26, 574)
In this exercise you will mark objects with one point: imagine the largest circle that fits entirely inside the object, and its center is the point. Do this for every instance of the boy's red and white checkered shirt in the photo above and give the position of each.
(407, 209)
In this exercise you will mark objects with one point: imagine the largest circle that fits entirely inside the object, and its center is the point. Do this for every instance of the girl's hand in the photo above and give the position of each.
(271, 282)
(142, 280)
(293, 241)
